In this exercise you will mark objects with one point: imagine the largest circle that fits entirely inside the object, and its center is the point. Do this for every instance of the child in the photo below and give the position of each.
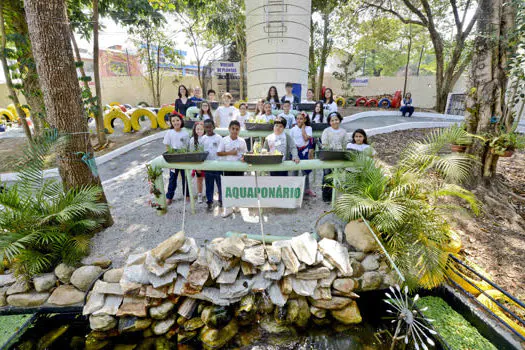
(282, 142)
(359, 143)
(205, 112)
(273, 97)
(232, 148)
(309, 96)
(407, 105)
(211, 95)
(318, 114)
(267, 116)
(211, 142)
(259, 108)
(329, 102)
(289, 117)
(195, 144)
(176, 138)
(243, 115)
(225, 113)
(302, 136)
(197, 95)
(290, 97)
(333, 138)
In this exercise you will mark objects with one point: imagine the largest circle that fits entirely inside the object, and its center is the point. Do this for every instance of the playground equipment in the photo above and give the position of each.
(143, 112)
(167, 109)
(12, 109)
(6, 115)
(383, 101)
(116, 113)
(341, 102)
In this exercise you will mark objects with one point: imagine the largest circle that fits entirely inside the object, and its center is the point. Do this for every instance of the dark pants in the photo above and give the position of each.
(327, 191)
(407, 109)
(278, 173)
(174, 174)
(233, 173)
(211, 178)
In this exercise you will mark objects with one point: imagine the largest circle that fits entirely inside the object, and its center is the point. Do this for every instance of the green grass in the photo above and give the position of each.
(9, 325)
(456, 331)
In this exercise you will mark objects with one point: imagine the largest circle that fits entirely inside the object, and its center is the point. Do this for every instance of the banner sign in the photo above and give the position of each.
(223, 67)
(274, 191)
(359, 82)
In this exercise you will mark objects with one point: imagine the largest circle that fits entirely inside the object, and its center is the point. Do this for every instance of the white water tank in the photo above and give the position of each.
(278, 40)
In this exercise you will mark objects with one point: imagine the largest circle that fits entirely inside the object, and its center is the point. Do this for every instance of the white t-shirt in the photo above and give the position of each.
(265, 118)
(199, 143)
(317, 118)
(227, 144)
(290, 119)
(211, 145)
(331, 107)
(242, 119)
(306, 101)
(334, 139)
(204, 117)
(360, 148)
(177, 139)
(225, 115)
(297, 135)
(277, 142)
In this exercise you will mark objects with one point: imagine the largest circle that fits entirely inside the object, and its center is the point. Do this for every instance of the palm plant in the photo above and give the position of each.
(403, 203)
(41, 223)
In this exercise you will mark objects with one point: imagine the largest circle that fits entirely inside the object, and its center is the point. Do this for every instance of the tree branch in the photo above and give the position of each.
(459, 24)
(397, 14)
(462, 66)
(467, 5)
(415, 10)
(473, 21)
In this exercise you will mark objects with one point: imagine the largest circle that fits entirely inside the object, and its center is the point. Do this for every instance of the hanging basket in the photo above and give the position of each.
(259, 126)
(251, 158)
(320, 126)
(332, 155)
(196, 157)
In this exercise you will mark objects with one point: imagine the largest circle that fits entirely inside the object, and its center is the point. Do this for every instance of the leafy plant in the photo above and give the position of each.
(403, 203)
(41, 223)
(172, 150)
(507, 142)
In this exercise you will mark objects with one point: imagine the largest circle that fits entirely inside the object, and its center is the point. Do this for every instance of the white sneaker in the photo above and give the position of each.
(199, 198)
(227, 212)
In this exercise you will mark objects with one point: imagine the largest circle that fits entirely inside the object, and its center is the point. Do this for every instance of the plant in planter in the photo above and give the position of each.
(153, 174)
(460, 139)
(185, 155)
(505, 144)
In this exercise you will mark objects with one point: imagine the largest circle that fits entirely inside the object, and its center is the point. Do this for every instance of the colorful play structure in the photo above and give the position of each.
(132, 117)
(383, 101)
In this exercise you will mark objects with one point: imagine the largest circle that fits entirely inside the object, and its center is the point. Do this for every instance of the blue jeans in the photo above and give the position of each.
(174, 174)
(407, 109)
(211, 178)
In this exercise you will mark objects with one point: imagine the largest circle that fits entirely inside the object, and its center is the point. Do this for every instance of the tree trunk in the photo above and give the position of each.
(488, 83)
(408, 61)
(99, 117)
(242, 68)
(312, 68)
(324, 52)
(7, 74)
(150, 70)
(157, 71)
(34, 98)
(55, 66)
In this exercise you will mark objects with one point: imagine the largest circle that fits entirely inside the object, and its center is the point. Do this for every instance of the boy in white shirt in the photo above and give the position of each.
(225, 113)
(309, 96)
(232, 148)
(289, 117)
(211, 142)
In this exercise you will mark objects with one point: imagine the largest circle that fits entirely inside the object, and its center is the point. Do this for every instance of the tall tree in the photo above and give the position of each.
(99, 116)
(431, 15)
(56, 67)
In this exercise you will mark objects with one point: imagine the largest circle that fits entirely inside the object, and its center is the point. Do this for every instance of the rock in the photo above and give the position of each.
(359, 237)
(276, 296)
(298, 312)
(188, 253)
(187, 307)
(263, 304)
(193, 324)
(303, 287)
(101, 261)
(183, 269)
(327, 230)
(336, 303)
(158, 268)
(229, 276)
(198, 275)
(165, 249)
(135, 274)
(327, 282)
(357, 268)
(391, 279)
(248, 242)
(66, 295)
(317, 312)
(290, 260)
(216, 316)
(348, 315)
(163, 280)
(45, 282)
(84, 276)
(95, 301)
(111, 305)
(337, 254)
(322, 293)
(7, 280)
(371, 262)
(359, 256)
(231, 247)
(102, 322)
(370, 281)
(305, 248)
(161, 312)
(133, 324)
(254, 255)
(27, 299)
(107, 288)
(327, 264)
(248, 269)
(214, 339)
(314, 274)
(273, 254)
(245, 313)
(240, 288)
(345, 285)
(286, 285)
(64, 272)
(157, 293)
(269, 325)
(275, 275)
(163, 326)
(260, 283)
(133, 306)
(20, 286)
(136, 259)
(3, 296)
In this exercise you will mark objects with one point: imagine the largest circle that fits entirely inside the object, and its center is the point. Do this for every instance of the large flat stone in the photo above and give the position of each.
(7, 280)
(20, 286)
(358, 236)
(161, 312)
(315, 273)
(248, 269)
(162, 327)
(273, 254)
(305, 247)
(111, 305)
(276, 296)
(290, 259)
(136, 259)
(254, 255)
(183, 269)
(97, 260)
(158, 268)
(260, 283)
(371, 262)
(231, 247)
(66, 295)
(163, 280)
(198, 275)
(157, 293)
(229, 276)
(44, 282)
(275, 275)
(240, 288)
(165, 249)
(327, 282)
(187, 308)
(102, 322)
(348, 315)
(337, 254)
(133, 306)
(322, 293)
(107, 288)
(27, 299)
(345, 285)
(132, 324)
(303, 287)
(84, 276)
(64, 272)
(113, 275)
(336, 303)
(95, 302)
(188, 253)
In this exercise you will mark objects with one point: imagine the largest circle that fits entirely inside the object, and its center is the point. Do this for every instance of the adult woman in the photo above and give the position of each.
(273, 97)
(407, 107)
(329, 102)
(183, 102)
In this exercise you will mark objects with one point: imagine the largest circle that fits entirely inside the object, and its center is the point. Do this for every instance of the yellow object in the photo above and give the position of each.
(496, 294)
(143, 112)
(115, 104)
(340, 101)
(12, 109)
(238, 103)
(161, 114)
(462, 281)
(454, 245)
(6, 114)
(115, 113)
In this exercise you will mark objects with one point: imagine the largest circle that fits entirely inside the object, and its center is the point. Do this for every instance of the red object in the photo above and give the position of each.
(323, 89)
(396, 100)
(361, 101)
(123, 108)
(372, 102)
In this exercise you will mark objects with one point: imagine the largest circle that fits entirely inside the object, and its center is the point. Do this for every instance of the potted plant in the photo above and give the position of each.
(460, 139)
(262, 156)
(505, 144)
(258, 125)
(185, 155)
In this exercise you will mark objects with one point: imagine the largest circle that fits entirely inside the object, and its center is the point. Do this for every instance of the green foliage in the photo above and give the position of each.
(403, 203)
(450, 325)
(41, 224)
(507, 142)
